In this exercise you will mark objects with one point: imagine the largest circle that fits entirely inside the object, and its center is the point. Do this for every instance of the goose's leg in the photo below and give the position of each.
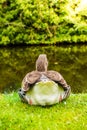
(22, 95)
(67, 92)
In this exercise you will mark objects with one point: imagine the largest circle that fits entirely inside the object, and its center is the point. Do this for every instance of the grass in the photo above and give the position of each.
(68, 115)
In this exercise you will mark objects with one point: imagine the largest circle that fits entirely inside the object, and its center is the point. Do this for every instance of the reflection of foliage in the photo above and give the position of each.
(45, 21)
(70, 61)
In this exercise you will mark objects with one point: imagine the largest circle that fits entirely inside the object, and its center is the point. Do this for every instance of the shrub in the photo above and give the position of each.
(42, 22)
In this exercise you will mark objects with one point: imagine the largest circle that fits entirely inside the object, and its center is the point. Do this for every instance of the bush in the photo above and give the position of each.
(42, 22)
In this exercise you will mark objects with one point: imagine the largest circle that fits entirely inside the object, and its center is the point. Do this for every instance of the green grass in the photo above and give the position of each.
(68, 115)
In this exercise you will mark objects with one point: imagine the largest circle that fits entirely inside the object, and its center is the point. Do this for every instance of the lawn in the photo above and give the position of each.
(68, 115)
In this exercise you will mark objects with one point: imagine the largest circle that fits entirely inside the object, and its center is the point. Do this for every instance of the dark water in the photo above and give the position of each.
(70, 61)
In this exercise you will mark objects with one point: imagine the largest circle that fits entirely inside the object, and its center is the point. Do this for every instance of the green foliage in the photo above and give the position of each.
(42, 22)
(70, 114)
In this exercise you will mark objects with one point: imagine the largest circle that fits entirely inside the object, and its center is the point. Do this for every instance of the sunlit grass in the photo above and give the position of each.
(68, 115)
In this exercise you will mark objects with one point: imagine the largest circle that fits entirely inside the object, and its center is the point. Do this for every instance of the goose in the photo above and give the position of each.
(42, 86)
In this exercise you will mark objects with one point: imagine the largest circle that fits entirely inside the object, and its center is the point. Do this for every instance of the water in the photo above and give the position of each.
(70, 61)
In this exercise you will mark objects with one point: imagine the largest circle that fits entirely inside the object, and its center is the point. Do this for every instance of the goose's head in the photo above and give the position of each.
(42, 63)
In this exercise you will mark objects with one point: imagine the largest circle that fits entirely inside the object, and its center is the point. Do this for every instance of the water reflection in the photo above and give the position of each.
(70, 61)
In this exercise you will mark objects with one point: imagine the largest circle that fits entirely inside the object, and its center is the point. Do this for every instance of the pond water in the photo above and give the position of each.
(70, 61)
